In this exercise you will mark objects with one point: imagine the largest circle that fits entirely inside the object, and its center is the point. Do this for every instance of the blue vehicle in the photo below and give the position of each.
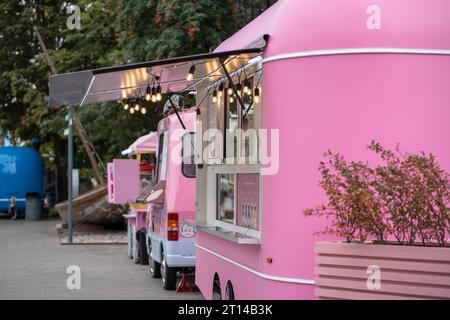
(21, 176)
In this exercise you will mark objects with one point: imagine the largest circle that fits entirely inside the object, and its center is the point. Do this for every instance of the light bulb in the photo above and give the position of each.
(221, 90)
(132, 110)
(246, 85)
(214, 98)
(239, 89)
(158, 93)
(230, 91)
(231, 99)
(137, 106)
(148, 93)
(257, 96)
(143, 110)
(190, 75)
(126, 106)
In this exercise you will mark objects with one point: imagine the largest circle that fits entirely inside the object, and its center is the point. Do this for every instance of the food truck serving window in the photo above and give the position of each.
(235, 129)
(238, 200)
(188, 164)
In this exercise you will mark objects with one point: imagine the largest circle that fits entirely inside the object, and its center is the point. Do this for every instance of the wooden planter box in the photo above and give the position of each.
(405, 272)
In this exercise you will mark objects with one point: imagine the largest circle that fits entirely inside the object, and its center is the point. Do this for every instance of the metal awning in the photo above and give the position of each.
(145, 144)
(127, 81)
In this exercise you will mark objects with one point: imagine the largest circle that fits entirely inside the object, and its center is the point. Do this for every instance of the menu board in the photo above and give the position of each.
(248, 186)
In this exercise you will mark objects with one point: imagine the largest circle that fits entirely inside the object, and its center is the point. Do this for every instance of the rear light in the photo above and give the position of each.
(172, 227)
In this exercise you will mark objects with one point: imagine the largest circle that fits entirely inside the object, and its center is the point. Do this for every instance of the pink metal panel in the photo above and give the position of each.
(125, 180)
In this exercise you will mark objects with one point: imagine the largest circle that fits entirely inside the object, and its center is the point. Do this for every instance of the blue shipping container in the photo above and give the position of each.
(21, 174)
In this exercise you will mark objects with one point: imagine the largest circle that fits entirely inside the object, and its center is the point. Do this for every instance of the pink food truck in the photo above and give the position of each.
(171, 204)
(297, 81)
(129, 182)
(333, 76)
(144, 150)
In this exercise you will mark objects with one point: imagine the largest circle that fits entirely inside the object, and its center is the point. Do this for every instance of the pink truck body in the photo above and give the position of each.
(176, 198)
(335, 77)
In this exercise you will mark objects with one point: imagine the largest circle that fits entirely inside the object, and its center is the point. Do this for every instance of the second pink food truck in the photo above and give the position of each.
(171, 209)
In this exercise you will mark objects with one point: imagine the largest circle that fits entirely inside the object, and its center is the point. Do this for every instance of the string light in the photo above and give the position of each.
(132, 110)
(158, 93)
(126, 105)
(137, 105)
(239, 89)
(257, 96)
(214, 98)
(230, 90)
(221, 88)
(247, 86)
(148, 93)
(154, 94)
(190, 75)
(143, 110)
(231, 99)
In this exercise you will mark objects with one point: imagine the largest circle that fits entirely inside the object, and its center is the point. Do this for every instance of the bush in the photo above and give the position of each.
(405, 198)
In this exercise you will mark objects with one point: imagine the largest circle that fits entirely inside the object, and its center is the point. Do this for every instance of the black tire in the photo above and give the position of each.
(229, 294)
(216, 289)
(168, 275)
(154, 267)
(143, 254)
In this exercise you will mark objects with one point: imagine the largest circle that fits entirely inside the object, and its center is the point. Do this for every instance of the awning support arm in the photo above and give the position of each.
(230, 80)
(176, 112)
(248, 109)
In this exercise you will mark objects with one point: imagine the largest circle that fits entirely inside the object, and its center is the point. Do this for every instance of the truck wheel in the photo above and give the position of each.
(134, 246)
(143, 254)
(154, 267)
(168, 274)
(229, 294)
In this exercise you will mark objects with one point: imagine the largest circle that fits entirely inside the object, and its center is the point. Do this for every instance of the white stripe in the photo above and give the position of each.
(9, 200)
(315, 53)
(259, 274)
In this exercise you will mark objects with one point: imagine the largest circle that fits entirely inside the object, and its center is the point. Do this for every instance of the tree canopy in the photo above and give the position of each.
(112, 32)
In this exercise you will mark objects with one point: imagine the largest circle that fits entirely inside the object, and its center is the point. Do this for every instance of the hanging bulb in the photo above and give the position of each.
(239, 89)
(126, 106)
(231, 99)
(143, 110)
(214, 99)
(190, 75)
(148, 94)
(257, 97)
(158, 93)
(221, 90)
(230, 90)
(132, 110)
(137, 106)
(246, 86)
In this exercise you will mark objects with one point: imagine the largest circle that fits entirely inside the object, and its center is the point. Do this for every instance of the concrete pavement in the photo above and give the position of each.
(33, 266)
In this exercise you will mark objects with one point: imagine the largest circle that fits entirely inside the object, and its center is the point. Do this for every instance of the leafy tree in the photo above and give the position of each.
(112, 32)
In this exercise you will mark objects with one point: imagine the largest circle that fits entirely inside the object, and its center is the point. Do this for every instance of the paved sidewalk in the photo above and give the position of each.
(33, 266)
